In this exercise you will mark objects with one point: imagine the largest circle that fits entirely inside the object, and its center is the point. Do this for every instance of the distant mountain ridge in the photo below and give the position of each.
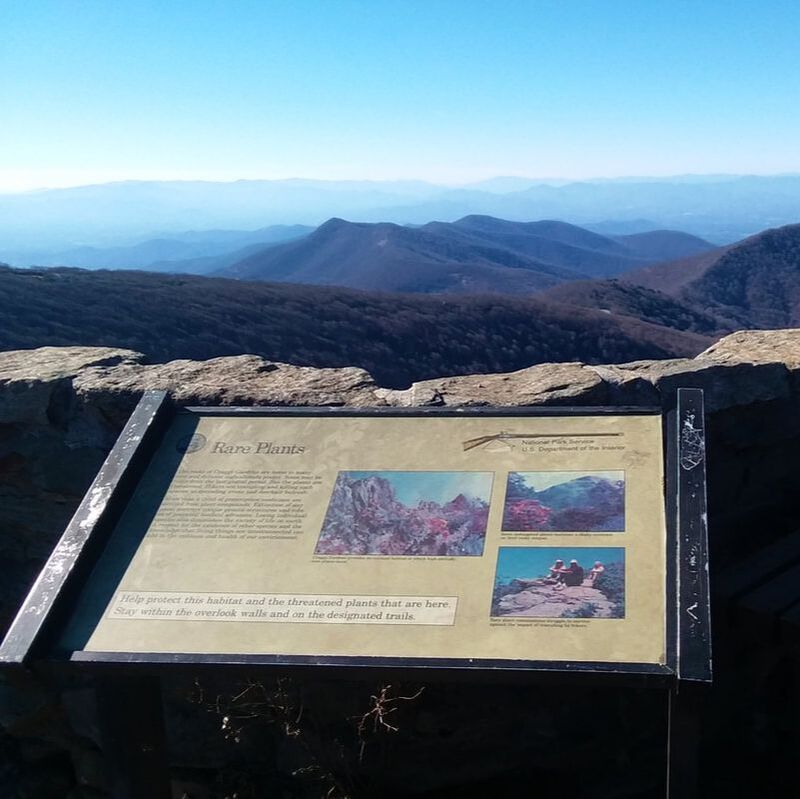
(194, 252)
(721, 208)
(472, 255)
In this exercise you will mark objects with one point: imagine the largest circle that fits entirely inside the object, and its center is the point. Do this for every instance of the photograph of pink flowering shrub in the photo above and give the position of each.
(565, 502)
(407, 513)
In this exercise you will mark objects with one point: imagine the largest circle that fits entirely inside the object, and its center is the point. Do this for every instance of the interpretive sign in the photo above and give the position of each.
(512, 538)
(517, 541)
(521, 539)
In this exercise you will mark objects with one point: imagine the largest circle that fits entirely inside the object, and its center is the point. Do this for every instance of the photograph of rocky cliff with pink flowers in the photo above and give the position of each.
(565, 502)
(407, 513)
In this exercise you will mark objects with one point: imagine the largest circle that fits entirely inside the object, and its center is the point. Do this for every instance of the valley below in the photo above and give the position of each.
(407, 304)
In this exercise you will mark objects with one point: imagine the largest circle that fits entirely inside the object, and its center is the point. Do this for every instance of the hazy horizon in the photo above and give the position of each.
(543, 180)
(124, 123)
(452, 93)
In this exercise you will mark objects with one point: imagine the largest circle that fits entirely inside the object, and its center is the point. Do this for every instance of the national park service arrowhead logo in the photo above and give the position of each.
(192, 443)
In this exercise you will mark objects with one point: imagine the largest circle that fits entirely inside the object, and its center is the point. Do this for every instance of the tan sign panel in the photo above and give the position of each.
(510, 538)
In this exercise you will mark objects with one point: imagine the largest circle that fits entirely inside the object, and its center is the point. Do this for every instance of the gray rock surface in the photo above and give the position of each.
(757, 346)
(742, 368)
(242, 380)
(542, 599)
(52, 363)
(543, 384)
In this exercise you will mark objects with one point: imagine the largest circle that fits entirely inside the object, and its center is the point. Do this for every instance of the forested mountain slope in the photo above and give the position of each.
(399, 338)
(473, 255)
(648, 305)
(755, 283)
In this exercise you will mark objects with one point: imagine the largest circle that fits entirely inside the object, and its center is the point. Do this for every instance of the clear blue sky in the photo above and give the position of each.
(439, 90)
(541, 480)
(411, 488)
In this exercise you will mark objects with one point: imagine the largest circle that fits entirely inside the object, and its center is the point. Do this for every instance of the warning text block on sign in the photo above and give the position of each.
(291, 608)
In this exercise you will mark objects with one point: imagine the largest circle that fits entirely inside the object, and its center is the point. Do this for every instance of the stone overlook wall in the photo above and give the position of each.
(62, 408)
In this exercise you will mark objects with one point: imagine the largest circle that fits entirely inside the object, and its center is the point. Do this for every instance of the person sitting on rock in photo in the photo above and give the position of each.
(556, 570)
(573, 575)
(596, 571)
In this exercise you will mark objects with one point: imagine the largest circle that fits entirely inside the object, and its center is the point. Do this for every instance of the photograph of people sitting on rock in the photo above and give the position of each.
(565, 502)
(407, 513)
(560, 582)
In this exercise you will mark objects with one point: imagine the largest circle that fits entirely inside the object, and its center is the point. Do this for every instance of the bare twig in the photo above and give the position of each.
(383, 705)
